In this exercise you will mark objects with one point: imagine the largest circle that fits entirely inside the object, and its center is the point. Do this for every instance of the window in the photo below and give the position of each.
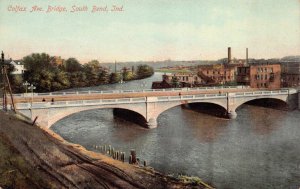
(265, 69)
(266, 77)
(207, 72)
(261, 77)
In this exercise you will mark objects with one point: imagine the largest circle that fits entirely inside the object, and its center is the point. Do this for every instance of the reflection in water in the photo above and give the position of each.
(259, 149)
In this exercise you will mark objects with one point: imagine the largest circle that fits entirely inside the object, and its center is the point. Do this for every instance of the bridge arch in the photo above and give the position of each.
(162, 107)
(57, 114)
(240, 102)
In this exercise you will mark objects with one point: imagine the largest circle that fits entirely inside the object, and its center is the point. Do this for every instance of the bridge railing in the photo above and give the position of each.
(146, 99)
(255, 93)
(127, 91)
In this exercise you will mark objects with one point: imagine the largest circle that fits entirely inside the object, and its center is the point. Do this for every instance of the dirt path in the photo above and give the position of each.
(36, 158)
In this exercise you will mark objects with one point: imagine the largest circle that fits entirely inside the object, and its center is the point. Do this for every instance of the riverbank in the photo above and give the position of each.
(36, 158)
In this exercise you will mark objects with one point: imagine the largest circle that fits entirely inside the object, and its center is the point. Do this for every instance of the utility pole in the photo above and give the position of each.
(4, 99)
(6, 84)
(31, 87)
(26, 84)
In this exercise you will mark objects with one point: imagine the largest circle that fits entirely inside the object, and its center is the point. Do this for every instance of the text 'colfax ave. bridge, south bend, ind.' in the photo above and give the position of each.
(48, 108)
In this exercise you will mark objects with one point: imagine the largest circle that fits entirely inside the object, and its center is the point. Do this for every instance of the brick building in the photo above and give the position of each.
(290, 74)
(218, 74)
(260, 75)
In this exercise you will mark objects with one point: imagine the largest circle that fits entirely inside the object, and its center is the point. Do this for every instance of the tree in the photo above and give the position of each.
(114, 78)
(62, 79)
(144, 71)
(44, 75)
(37, 62)
(77, 79)
(92, 70)
(103, 76)
(127, 75)
(175, 82)
(72, 65)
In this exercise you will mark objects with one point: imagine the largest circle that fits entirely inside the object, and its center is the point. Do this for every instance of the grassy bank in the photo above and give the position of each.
(32, 157)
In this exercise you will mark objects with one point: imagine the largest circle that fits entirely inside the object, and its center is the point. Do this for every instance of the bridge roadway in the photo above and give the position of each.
(117, 94)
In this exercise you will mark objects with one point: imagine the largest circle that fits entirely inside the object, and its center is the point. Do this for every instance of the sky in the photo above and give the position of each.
(152, 30)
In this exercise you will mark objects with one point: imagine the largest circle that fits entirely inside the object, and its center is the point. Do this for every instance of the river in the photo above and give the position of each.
(259, 149)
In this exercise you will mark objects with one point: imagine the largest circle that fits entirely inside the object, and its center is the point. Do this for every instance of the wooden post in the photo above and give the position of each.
(109, 150)
(130, 159)
(123, 156)
(34, 120)
(133, 155)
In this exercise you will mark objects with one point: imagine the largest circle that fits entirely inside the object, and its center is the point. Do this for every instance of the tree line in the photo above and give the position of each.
(46, 75)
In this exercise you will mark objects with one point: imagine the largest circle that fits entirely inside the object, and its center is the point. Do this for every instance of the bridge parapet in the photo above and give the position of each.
(146, 99)
(128, 91)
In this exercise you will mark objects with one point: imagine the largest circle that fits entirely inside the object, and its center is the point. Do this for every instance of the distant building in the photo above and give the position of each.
(260, 75)
(184, 78)
(178, 80)
(218, 73)
(290, 74)
(19, 68)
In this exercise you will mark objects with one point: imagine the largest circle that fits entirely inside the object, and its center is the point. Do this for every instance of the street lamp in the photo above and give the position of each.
(31, 87)
(26, 84)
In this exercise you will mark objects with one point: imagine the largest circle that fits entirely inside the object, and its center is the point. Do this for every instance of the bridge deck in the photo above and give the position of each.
(95, 96)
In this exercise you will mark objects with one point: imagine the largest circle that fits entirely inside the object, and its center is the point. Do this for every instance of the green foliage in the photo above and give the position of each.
(114, 78)
(77, 79)
(72, 65)
(47, 76)
(144, 71)
(175, 81)
(127, 75)
(37, 62)
(103, 77)
(92, 70)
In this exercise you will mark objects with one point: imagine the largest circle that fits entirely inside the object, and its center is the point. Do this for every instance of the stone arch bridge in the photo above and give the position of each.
(152, 106)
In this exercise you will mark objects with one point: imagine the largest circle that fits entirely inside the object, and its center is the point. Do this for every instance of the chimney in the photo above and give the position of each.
(246, 55)
(229, 55)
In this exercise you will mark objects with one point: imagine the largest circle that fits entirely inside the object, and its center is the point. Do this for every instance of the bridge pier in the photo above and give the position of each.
(232, 114)
(152, 123)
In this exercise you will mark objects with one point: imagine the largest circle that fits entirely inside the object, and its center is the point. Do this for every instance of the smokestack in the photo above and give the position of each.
(246, 55)
(229, 55)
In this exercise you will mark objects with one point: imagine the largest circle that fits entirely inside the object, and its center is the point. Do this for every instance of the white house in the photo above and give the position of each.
(19, 68)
